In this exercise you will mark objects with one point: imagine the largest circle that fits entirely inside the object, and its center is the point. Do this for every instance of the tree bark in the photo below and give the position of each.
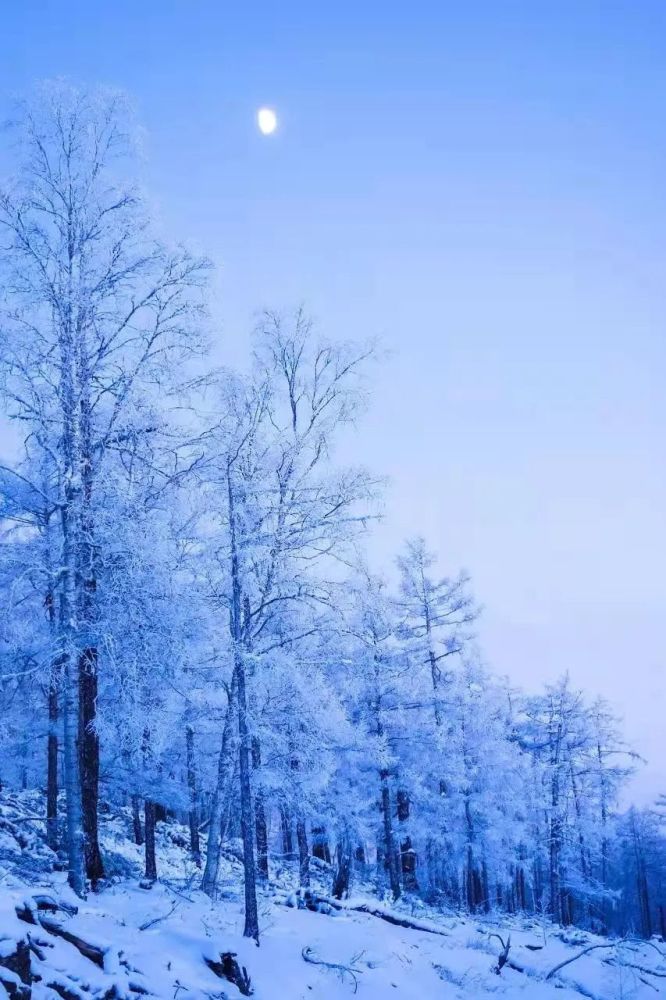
(407, 852)
(261, 826)
(136, 821)
(67, 621)
(89, 752)
(303, 854)
(390, 859)
(193, 816)
(287, 834)
(219, 814)
(151, 860)
(320, 848)
(251, 928)
(343, 868)
(89, 657)
(52, 768)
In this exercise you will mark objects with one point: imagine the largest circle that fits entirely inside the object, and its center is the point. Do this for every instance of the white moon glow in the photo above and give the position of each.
(266, 120)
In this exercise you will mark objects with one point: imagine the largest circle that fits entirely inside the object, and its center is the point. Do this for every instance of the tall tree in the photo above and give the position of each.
(96, 310)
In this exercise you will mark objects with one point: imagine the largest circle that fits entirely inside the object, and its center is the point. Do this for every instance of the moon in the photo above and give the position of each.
(266, 120)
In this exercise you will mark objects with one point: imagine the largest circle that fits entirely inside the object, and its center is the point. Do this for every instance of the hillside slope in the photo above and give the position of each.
(169, 941)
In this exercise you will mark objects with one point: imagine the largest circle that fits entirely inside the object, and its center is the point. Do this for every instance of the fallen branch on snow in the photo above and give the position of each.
(342, 970)
(585, 951)
(504, 954)
(157, 920)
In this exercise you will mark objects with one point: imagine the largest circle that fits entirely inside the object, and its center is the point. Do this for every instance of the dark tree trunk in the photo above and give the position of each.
(193, 815)
(88, 660)
(485, 888)
(251, 928)
(303, 854)
(219, 814)
(89, 763)
(136, 821)
(151, 860)
(320, 848)
(343, 866)
(52, 768)
(260, 824)
(520, 888)
(287, 834)
(390, 856)
(407, 852)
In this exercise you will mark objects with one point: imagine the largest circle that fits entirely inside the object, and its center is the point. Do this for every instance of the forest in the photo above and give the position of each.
(191, 629)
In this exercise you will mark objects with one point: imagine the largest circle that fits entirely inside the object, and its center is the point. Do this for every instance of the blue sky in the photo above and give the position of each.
(483, 187)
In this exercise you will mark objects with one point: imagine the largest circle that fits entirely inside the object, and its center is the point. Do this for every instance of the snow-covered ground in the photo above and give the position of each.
(157, 940)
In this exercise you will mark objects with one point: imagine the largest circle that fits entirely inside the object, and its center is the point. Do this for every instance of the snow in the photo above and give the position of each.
(156, 940)
(388, 961)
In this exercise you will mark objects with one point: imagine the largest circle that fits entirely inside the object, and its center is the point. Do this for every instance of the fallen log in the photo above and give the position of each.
(313, 901)
(90, 951)
(35, 915)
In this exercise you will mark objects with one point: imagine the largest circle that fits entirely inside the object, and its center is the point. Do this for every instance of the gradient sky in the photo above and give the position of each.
(483, 186)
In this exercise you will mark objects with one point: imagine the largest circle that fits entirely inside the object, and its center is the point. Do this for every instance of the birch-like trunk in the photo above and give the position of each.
(52, 769)
(251, 928)
(70, 705)
(219, 815)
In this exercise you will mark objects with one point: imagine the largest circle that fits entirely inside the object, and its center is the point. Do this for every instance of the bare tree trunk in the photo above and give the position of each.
(287, 834)
(89, 752)
(407, 852)
(74, 812)
(53, 711)
(391, 859)
(89, 658)
(151, 860)
(136, 821)
(261, 826)
(52, 767)
(219, 814)
(554, 858)
(251, 928)
(77, 877)
(303, 854)
(343, 869)
(193, 815)
(642, 888)
(320, 848)
(52, 772)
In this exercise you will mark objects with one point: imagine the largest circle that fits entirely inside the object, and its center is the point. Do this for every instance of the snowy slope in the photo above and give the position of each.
(385, 960)
(156, 941)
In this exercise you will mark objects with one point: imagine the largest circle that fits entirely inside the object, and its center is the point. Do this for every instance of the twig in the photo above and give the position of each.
(157, 920)
(342, 970)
